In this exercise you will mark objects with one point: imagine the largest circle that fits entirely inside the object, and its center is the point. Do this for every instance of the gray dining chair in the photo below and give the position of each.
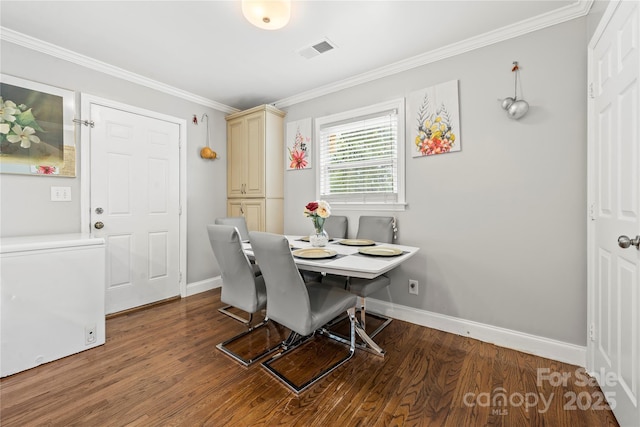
(303, 308)
(240, 224)
(336, 226)
(381, 229)
(241, 288)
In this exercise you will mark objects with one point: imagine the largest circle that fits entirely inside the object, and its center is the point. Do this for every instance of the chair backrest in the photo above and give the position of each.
(286, 291)
(237, 221)
(378, 228)
(336, 226)
(239, 284)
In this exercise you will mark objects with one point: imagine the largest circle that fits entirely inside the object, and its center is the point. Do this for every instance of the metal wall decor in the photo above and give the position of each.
(515, 108)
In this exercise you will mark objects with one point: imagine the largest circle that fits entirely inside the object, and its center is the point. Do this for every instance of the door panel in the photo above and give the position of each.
(255, 156)
(614, 171)
(236, 152)
(135, 181)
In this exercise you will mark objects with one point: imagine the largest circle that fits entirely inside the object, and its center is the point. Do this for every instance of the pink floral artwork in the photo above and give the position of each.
(299, 145)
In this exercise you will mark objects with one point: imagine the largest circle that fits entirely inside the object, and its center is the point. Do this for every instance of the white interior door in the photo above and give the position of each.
(614, 194)
(135, 187)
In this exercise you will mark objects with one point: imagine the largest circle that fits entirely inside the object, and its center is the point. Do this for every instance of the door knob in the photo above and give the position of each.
(98, 225)
(624, 242)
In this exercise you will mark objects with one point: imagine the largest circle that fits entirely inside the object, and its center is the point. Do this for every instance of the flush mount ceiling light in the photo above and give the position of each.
(267, 14)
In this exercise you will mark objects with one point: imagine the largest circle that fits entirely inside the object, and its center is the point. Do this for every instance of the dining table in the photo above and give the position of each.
(350, 258)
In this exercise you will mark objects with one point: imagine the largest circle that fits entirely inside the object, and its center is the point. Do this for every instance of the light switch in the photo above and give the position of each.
(60, 194)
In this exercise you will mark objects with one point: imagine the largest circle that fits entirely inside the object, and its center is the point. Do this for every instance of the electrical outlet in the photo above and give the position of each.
(413, 287)
(90, 335)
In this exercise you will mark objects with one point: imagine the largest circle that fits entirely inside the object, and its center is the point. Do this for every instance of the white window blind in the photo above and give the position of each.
(358, 159)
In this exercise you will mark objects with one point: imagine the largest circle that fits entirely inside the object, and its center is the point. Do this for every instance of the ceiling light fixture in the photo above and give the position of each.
(267, 14)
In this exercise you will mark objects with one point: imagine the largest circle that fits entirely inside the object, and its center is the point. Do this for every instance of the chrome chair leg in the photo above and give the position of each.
(296, 342)
(225, 310)
(223, 346)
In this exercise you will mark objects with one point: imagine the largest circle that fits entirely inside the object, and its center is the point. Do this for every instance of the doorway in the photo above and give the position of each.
(133, 189)
(613, 346)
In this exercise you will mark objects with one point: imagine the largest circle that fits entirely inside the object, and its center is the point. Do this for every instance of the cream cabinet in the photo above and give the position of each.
(255, 167)
(253, 210)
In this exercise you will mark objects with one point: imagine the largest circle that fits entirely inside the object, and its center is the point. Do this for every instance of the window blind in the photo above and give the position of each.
(359, 159)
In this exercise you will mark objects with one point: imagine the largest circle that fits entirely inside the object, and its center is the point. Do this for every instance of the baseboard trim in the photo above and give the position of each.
(521, 341)
(203, 285)
(533, 344)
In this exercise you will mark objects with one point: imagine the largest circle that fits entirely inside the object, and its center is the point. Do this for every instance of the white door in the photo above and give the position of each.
(614, 196)
(135, 205)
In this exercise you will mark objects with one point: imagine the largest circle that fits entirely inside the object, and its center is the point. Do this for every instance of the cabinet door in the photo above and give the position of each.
(252, 210)
(236, 152)
(234, 208)
(254, 164)
(254, 214)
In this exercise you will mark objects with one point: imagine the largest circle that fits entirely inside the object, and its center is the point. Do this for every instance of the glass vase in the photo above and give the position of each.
(320, 238)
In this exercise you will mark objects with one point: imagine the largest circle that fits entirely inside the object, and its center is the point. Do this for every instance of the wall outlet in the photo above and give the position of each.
(413, 287)
(90, 336)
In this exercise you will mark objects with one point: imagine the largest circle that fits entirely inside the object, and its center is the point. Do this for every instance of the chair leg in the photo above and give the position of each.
(300, 388)
(223, 346)
(225, 310)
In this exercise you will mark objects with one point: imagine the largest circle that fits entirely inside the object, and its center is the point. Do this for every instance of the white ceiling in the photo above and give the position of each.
(208, 49)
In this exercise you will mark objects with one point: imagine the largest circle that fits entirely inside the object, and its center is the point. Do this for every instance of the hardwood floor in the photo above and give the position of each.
(160, 367)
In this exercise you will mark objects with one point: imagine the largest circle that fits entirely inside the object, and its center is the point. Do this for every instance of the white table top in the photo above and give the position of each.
(348, 262)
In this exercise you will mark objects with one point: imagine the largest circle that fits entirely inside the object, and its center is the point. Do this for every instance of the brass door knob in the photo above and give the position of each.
(98, 225)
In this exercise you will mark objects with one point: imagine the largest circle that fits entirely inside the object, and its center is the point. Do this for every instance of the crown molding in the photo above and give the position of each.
(47, 48)
(575, 10)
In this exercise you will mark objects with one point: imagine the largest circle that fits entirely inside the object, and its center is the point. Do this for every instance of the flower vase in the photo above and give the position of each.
(321, 237)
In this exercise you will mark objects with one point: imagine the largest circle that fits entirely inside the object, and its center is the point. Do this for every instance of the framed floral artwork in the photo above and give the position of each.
(36, 128)
(298, 142)
(433, 120)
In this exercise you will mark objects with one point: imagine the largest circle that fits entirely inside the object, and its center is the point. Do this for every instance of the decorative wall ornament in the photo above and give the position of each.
(299, 144)
(206, 152)
(36, 128)
(433, 120)
(515, 108)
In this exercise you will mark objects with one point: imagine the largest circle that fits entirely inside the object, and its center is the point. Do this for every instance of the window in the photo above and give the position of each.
(361, 157)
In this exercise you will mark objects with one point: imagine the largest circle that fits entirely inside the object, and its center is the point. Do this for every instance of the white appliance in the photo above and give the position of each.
(51, 298)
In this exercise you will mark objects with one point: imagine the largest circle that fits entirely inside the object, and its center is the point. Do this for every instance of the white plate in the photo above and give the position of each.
(380, 251)
(357, 242)
(314, 253)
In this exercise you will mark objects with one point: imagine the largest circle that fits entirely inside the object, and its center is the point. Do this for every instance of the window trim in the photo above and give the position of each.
(400, 203)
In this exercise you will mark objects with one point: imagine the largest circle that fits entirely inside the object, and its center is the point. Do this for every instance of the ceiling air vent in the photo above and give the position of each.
(316, 49)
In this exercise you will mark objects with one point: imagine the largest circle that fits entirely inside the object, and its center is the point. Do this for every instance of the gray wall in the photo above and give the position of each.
(26, 208)
(502, 223)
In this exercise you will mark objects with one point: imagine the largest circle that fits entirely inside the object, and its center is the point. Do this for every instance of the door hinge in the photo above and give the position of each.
(180, 210)
(592, 332)
(180, 278)
(592, 211)
(89, 123)
(591, 90)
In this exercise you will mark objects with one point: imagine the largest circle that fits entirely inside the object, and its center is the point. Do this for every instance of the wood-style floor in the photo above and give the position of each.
(160, 367)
